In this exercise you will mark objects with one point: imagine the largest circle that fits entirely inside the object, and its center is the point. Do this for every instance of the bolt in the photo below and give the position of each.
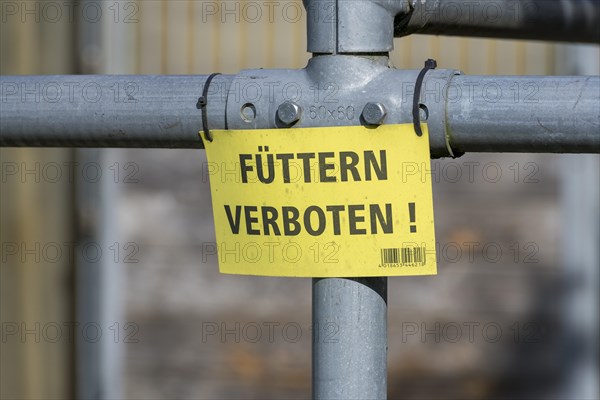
(289, 112)
(374, 113)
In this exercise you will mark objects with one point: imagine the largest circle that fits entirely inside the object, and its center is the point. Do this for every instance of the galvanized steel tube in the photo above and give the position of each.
(524, 114)
(550, 20)
(107, 111)
(476, 113)
(350, 338)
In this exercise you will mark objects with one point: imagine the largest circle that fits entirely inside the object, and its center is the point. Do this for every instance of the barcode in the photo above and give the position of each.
(406, 256)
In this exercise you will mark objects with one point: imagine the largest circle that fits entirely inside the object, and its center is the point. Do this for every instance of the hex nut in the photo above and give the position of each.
(374, 113)
(289, 112)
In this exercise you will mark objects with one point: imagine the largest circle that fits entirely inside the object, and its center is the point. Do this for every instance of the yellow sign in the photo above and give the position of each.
(323, 202)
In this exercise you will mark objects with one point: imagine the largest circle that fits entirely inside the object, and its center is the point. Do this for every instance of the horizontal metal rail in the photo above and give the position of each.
(482, 113)
(563, 21)
(542, 114)
(103, 111)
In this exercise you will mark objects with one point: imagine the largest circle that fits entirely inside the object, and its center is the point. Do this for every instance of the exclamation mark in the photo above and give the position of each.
(411, 213)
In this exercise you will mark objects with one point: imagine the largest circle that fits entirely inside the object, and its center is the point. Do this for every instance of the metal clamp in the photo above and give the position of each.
(429, 64)
(201, 105)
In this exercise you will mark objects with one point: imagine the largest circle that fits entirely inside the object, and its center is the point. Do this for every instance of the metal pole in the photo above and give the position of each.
(107, 110)
(564, 20)
(580, 254)
(547, 114)
(524, 114)
(350, 338)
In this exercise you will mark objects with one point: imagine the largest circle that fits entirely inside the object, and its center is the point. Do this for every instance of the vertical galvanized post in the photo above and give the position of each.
(350, 338)
(350, 314)
(580, 253)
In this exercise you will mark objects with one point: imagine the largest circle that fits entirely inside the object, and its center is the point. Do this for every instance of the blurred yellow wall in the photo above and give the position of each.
(34, 293)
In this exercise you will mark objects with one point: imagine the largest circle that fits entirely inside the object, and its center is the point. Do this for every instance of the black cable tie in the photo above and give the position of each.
(429, 64)
(201, 105)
